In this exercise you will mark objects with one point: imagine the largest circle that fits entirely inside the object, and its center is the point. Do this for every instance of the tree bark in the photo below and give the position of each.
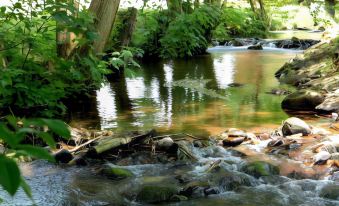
(174, 6)
(65, 44)
(329, 7)
(105, 12)
(128, 30)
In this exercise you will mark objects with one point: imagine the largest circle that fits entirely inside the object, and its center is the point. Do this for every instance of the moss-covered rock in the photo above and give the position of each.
(116, 172)
(156, 194)
(260, 168)
(303, 100)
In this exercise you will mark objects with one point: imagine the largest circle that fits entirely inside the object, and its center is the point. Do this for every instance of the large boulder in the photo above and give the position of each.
(303, 100)
(156, 194)
(331, 103)
(260, 168)
(295, 125)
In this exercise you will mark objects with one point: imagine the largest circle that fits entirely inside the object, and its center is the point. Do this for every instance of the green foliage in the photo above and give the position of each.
(12, 134)
(33, 76)
(150, 27)
(125, 59)
(189, 34)
(237, 22)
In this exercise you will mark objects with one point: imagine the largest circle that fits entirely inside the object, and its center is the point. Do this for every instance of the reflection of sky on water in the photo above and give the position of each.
(154, 102)
(106, 107)
(224, 70)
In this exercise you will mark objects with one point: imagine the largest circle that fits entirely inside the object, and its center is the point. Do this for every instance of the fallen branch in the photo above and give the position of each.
(83, 145)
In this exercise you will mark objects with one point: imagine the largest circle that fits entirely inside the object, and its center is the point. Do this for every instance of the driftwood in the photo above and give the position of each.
(84, 145)
(109, 143)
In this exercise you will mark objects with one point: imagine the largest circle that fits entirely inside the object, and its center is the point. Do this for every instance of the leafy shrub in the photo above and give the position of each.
(189, 34)
(235, 22)
(150, 27)
(33, 77)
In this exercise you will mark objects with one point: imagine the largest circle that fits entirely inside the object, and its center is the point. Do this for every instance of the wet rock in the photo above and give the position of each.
(302, 100)
(156, 194)
(322, 157)
(330, 192)
(195, 189)
(231, 181)
(178, 198)
(165, 143)
(335, 176)
(211, 191)
(115, 172)
(260, 168)
(255, 47)
(63, 156)
(331, 103)
(335, 156)
(233, 141)
(236, 42)
(293, 125)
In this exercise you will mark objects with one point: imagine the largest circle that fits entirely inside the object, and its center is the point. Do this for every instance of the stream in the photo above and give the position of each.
(236, 83)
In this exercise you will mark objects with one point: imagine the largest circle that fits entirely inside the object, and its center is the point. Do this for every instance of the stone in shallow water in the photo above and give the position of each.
(116, 173)
(330, 191)
(295, 125)
(156, 194)
(260, 168)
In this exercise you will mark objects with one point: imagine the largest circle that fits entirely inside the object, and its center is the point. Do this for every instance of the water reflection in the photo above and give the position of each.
(149, 100)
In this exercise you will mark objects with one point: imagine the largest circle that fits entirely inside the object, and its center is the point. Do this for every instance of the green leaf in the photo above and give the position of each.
(38, 152)
(58, 127)
(26, 188)
(9, 175)
(48, 139)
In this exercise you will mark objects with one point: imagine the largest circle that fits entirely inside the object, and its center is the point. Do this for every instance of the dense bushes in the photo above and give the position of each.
(186, 35)
(236, 22)
(33, 77)
(189, 34)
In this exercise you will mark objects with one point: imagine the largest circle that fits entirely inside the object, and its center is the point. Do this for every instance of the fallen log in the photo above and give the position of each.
(109, 143)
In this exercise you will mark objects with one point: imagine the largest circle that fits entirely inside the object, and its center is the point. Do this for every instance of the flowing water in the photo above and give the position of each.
(190, 95)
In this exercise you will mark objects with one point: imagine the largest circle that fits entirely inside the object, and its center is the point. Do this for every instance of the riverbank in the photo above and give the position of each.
(316, 75)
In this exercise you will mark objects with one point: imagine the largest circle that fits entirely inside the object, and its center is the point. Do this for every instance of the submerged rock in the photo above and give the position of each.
(156, 194)
(302, 100)
(195, 189)
(293, 125)
(330, 191)
(260, 168)
(231, 181)
(116, 173)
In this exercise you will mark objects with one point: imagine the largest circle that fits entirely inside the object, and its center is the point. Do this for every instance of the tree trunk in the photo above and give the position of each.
(4, 60)
(329, 7)
(129, 27)
(174, 6)
(105, 12)
(196, 4)
(65, 44)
